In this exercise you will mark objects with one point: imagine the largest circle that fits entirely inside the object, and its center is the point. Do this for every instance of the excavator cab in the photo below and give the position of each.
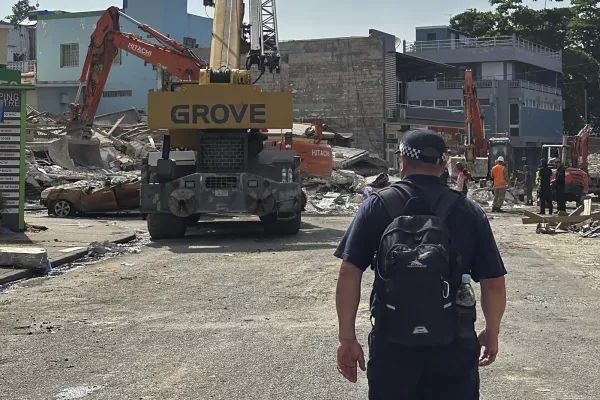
(500, 146)
(557, 152)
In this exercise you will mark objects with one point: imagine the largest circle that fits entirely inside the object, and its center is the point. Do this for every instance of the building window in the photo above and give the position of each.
(514, 114)
(117, 93)
(441, 103)
(427, 103)
(514, 131)
(431, 37)
(118, 58)
(455, 103)
(484, 102)
(414, 102)
(189, 42)
(69, 55)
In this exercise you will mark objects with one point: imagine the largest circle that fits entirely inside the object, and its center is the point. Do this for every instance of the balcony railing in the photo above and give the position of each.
(493, 83)
(438, 114)
(538, 87)
(23, 66)
(458, 84)
(499, 41)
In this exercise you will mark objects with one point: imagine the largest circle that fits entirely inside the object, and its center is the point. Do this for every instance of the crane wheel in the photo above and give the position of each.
(192, 219)
(166, 226)
(287, 224)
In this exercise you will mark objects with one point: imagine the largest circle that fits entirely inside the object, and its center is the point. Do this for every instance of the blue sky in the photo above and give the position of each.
(305, 19)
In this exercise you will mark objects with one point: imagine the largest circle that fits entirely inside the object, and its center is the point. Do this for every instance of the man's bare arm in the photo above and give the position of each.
(347, 299)
(493, 303)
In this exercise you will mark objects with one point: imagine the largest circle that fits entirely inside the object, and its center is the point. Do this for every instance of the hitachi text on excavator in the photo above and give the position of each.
(214, 159)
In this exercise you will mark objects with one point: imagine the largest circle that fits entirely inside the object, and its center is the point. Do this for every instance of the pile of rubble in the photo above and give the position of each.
(112, 147)
(484, 196)
(356, 174)
(583, 221)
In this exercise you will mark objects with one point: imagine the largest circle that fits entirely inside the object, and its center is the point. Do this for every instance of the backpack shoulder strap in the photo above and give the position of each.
(393, 201)
(445, 204)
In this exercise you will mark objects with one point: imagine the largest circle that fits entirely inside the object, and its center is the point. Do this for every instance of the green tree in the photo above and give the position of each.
(20, 11)
(574, 29)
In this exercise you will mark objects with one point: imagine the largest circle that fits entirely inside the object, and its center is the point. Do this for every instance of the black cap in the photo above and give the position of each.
(424, 145)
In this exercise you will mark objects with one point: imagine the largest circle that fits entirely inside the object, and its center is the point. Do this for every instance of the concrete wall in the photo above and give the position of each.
(169, 17)
(339, 80)
(49, 98)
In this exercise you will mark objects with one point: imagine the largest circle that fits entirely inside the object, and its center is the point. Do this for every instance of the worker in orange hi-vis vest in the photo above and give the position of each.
(500, 183)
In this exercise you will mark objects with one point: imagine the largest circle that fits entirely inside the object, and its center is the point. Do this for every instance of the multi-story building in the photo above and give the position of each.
(517, 84)
(63, 39)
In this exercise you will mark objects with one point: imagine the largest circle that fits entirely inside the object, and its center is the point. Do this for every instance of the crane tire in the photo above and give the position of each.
(166, 226)
(288, 226)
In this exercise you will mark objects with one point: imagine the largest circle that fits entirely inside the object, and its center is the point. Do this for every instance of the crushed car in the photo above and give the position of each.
(86, 197)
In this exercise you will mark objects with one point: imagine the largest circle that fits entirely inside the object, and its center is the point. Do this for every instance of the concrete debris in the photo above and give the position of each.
(485, 196)
(24, 258)
(116, 142)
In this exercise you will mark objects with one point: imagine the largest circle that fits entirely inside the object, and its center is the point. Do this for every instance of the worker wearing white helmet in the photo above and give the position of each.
(500, 183)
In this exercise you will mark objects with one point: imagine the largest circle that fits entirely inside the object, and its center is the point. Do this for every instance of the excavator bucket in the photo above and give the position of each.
(70, 153)
(86, 153)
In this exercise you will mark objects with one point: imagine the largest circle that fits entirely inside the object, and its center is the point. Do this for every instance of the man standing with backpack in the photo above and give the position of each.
(425, 242)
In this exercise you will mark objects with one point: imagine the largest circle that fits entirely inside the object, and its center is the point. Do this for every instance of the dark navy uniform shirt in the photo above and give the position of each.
(470, 230)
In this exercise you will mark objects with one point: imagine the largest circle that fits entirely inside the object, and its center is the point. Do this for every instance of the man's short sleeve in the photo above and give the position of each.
(487, 262)
(360, 243)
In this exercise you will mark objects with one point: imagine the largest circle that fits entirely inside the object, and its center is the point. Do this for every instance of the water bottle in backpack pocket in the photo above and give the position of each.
(466, 308)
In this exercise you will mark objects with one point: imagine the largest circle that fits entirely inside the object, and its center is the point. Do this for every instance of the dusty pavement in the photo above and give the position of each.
(229, 313)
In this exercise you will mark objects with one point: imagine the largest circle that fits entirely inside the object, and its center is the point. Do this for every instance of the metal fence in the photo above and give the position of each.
(23, 66)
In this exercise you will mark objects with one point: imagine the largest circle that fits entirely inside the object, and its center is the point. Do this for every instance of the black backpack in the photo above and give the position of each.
(416, 271)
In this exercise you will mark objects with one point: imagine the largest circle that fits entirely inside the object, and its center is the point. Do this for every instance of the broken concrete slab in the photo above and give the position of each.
(343, 157)
(24, 258)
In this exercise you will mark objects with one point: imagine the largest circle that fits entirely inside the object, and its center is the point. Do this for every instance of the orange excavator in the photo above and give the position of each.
(481, 152)
(106, 41)
(573, 154)
(317, 156)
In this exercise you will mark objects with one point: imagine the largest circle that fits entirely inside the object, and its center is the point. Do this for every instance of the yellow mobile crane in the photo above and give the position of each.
(219, 122)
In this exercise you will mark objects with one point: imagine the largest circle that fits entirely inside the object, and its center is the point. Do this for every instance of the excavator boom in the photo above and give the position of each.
(106, 41)
(473, 120)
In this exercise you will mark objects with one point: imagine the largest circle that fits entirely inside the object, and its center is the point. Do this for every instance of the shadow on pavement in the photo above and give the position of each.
(249, 236)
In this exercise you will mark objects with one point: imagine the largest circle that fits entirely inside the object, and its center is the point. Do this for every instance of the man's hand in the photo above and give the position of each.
(350, 353)
(489, 347)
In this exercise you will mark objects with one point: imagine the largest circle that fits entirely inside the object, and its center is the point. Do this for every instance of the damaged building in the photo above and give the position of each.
(352, 83)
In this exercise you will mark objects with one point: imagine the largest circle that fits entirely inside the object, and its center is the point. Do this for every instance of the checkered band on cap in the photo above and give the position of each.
(409, 151)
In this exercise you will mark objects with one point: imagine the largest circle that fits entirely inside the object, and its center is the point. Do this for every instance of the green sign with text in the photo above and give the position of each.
(10, 77)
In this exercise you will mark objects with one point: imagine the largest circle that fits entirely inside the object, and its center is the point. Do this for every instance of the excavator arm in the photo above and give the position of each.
(106, 40)
(473, 120)
(580, 146)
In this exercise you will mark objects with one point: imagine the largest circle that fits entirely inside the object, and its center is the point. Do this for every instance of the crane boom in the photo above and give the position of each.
(105, 42)
(264, 38)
